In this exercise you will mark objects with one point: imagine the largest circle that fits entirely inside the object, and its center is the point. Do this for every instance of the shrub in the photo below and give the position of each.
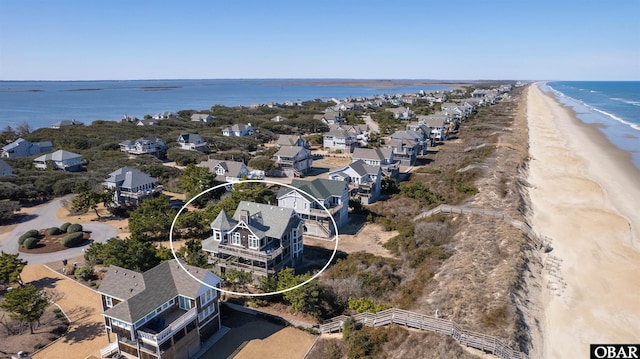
(84, 273)
(72, 239)
(31, 233)
(53, 231)
(64, 226)
(30, 242)
(74, 228)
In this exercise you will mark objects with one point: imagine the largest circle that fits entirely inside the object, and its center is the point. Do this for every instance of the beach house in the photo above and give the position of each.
(192, 142)
(292, 140)
(202, 117)
(226, 171)
(238, 130)
(163, 313)
(24, 148)
(60, 160)
(364, 180)
(131, 186)
(260, 239)
(66, 123)
(144, 146)
(293, 160)
(383, 157)
(333, 195)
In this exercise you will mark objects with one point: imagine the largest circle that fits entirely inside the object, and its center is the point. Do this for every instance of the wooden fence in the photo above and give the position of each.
(480, 341)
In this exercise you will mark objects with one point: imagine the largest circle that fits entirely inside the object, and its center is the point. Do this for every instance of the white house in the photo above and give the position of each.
(144, 146)
(339, 139)
(292, 140)
(201, 117)
(333, 195)
(238, 130)
(192, 142)
(24, 148)
(364, 180)
(226, 171)
(60, 160)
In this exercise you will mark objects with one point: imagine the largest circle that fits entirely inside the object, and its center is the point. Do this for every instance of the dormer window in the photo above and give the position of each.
(235, 239)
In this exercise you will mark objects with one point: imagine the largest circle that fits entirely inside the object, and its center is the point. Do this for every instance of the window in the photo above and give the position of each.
(254, 242)
(217, 236)
(236, 239)
(108, 301)
(184, 303)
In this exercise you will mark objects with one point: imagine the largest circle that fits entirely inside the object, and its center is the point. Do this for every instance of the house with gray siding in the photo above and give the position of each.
(60, 160)
(364, 180)
(163, 313)
(24, 148)
(144, 146)
(131, 186)
(310, 201)
(260, 239)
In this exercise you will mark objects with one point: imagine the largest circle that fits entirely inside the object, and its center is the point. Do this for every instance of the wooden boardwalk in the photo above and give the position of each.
(486, 343)
(539, 240)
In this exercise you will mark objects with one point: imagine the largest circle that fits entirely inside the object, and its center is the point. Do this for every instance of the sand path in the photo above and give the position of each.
(86, 334)
(584, 193)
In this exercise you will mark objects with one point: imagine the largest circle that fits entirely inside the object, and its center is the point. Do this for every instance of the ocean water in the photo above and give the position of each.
(615, 105)
(41, 103)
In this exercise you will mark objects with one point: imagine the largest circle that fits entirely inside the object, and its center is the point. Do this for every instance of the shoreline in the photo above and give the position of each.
(583, 192)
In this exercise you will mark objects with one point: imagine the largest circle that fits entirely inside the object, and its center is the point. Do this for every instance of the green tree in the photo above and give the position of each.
(26, 305)
(303, 299)
(8, 209)
(192, 253)
(126, 253)
(196, 179)
(363, 305)
(152, 219)
(262, 163)
(88, 198)
(10, 268)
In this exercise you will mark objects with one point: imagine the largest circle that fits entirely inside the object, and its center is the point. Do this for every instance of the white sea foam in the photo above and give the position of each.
(635, 126)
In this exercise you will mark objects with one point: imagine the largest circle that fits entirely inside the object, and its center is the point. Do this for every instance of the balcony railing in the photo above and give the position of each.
(176, 325)
(141, 194)
(250, 254)
(109, 349)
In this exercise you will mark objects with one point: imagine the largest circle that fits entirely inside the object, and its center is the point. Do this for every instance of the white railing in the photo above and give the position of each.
(109, 349)
(176, 325)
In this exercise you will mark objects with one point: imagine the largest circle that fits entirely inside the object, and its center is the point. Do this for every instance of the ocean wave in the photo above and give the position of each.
(635, 126)
(628, 102)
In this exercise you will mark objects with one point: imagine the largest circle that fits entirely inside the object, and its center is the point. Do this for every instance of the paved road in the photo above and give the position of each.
(45, 217)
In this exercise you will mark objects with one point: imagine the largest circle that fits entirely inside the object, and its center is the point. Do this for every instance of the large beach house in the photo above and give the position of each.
(131, 186)
(60, 160)
(163, 313)
(308, 202)
(261, 239)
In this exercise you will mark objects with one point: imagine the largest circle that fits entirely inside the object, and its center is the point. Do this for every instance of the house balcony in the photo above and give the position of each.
(140, 194)
(321, 213)
(156, 332)
(265, 254)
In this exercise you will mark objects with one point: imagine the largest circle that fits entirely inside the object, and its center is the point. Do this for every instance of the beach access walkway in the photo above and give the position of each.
(540, 240)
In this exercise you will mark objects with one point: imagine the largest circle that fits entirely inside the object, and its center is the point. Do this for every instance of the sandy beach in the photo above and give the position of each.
(585, 194)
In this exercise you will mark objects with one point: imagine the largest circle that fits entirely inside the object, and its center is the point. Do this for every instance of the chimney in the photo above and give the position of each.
(244, 216)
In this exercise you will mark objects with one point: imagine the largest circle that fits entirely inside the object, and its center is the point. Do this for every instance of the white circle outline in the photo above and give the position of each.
(333, 254)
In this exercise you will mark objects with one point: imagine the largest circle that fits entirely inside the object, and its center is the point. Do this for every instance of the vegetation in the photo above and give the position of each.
(152, 219)
(364, 305)
(26, 305)
(30, 243)
(10, 268)
(73, 228)
(126, 253)
(88, 198)
(72, 239)
(8, 210)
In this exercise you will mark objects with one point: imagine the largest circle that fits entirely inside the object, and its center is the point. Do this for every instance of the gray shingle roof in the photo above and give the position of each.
(270, 220)
(319, 188)
(371, 153)
(144, 292)
(129, 177)
(59, 155)
(289, 151)
(362, 168)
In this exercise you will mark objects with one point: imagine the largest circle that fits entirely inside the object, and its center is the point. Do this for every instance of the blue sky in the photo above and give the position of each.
(453, 39)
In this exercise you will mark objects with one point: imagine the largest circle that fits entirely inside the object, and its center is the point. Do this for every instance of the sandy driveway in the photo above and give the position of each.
(45, 217)
(86, 334)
